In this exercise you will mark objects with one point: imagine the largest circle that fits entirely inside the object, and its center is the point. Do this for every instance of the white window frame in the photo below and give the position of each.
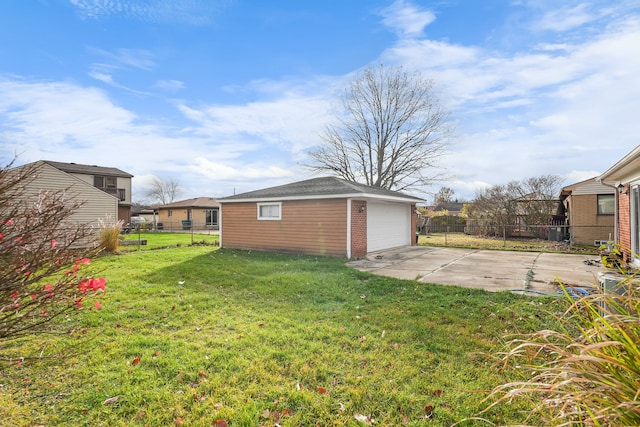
(269, 218)
(601, 205)
(210, 215)
(634, 202)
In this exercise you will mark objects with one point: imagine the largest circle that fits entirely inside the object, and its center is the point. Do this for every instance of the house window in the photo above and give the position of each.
(211, 216)
(98, 181)
(122, 194)
(170, 213)
(111, 182)
(606, 204)
(270, 211)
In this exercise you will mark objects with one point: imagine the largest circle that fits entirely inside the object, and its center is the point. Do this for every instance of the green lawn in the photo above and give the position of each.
(194, 335)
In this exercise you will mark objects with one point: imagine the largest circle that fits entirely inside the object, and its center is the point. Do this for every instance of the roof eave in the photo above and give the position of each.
(408, 199)
(625, 170)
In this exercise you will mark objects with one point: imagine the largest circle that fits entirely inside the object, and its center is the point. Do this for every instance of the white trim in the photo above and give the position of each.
(348, 228)
(220, 228)
(407, 199)
(269, 218)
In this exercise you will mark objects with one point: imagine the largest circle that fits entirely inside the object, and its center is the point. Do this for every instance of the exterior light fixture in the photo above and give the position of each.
(362, 209)
(621, 189)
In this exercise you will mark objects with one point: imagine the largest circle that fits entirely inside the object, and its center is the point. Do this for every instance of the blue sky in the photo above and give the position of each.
(229, 95)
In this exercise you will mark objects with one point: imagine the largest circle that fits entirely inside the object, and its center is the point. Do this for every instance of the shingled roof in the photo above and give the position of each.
(324, 187)
(198, 202)
(88, 169)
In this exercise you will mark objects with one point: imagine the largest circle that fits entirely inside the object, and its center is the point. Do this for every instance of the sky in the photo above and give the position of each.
(229, 96)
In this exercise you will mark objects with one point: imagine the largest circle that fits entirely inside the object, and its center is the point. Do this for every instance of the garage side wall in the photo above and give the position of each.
(306, 226)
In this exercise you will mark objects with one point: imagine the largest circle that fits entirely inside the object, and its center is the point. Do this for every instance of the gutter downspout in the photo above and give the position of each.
(615, 212)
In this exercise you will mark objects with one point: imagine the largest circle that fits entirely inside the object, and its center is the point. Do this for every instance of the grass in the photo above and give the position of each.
(199, 336)
(462, 240)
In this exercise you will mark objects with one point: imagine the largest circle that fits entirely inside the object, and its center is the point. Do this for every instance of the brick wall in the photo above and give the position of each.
(624, 223)
(358, 229)
(586, 225)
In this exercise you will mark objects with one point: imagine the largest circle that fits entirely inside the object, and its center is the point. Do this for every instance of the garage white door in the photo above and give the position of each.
(388, 225)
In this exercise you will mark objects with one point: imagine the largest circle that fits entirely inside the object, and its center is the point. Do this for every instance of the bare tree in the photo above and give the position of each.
(164, 191)
(391, 135)
(444, 195)
(42, 255)
(529, 203)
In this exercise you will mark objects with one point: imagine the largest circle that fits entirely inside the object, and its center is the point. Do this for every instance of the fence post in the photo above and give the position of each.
(504, 235)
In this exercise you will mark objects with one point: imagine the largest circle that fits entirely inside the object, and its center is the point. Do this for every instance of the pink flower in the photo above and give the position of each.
(14, 295)
(79, 303)
(97, 304)
(47, 287)
(9, 222)
(54, 243)
(1, 236)
(94, 284)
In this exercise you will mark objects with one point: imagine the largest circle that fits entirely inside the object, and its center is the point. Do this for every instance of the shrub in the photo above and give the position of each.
(588, 372)
(42, 255)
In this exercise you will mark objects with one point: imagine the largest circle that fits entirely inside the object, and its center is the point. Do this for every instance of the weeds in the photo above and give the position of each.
(110, 234)
(588, 371)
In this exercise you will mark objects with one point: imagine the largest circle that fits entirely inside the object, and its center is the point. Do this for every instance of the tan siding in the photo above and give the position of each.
(307, 226)
(97, 204)
(592, 187)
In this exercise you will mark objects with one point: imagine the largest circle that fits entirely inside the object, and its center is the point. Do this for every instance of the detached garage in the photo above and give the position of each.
(322, 216)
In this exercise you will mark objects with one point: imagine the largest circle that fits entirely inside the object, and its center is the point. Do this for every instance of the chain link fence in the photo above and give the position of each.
(185, 226)
(591, 235)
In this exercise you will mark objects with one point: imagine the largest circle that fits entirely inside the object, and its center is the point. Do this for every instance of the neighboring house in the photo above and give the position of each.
(110, 180)
(588, 208)
(200, 213)
(323, 216)
(97, 204)
(624, 176)
(447, 208)
(442, 217)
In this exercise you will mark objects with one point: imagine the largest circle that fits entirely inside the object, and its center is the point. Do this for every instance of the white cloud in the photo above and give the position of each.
(565, 18)
(224, 172)
(190, 12)
(406, 19)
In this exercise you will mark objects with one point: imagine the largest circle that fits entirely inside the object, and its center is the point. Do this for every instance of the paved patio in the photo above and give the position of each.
(536, 272)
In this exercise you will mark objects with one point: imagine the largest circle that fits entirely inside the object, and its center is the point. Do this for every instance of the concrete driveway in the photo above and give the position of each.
(483, 269)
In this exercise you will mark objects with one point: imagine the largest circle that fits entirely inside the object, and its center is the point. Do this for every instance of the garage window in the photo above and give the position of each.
(270, 211)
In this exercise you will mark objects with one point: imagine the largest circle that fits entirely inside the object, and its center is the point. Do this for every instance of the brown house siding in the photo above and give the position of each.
(358, 229)
(586, 225)
(306, 226)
